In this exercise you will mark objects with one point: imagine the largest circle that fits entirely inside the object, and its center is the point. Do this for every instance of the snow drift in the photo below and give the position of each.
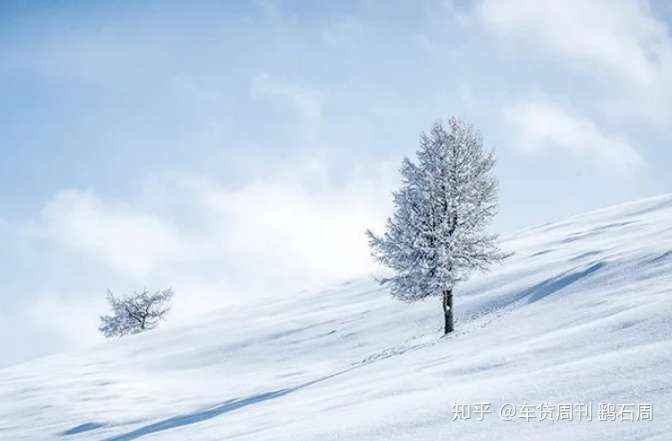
(580, 314)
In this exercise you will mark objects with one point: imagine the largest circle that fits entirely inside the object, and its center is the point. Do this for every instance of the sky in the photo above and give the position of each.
(238, 150)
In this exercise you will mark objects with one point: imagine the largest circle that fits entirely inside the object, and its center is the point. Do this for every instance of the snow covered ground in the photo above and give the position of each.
(581, 314)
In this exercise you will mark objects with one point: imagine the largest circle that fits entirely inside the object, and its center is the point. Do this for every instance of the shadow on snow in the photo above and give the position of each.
(82, 428)
(550, 286)
(196, 417)
(206, 414)
(535, 293)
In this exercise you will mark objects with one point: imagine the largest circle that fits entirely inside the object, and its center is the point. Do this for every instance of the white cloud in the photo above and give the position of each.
(544, 125)
(214, 245)
(287, 229)
(72, 321)
(271, 234)
(124, 238)
(618, 36)
(617, 41)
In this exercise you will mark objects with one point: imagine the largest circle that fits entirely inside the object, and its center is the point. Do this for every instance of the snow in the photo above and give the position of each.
(581, 313)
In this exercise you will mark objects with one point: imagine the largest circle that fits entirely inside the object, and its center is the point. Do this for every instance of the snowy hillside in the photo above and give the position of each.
(581, 313)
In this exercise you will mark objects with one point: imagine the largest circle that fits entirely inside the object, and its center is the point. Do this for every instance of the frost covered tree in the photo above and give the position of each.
(135, 313)
(437, 233)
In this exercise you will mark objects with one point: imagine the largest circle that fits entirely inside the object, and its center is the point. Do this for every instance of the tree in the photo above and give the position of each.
(135, 313)
(436, 235)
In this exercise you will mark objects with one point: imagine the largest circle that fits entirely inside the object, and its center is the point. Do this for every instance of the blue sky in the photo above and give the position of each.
(234, 150)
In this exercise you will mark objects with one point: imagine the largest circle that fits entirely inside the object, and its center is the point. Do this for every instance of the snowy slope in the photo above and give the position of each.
(581, 313)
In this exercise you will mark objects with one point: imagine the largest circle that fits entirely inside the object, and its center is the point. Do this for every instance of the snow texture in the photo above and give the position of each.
(580, 313)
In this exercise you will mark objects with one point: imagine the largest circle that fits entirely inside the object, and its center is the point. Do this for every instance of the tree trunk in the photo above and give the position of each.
(448, 310)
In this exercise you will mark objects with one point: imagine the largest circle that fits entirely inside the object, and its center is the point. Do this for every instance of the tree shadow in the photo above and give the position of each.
(535, 293)
(198, 416)
(225, 407)
(83, 428)
(550, 286)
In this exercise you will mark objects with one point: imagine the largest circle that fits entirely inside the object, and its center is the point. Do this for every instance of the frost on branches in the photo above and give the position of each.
(136, 313)
(437, 234)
